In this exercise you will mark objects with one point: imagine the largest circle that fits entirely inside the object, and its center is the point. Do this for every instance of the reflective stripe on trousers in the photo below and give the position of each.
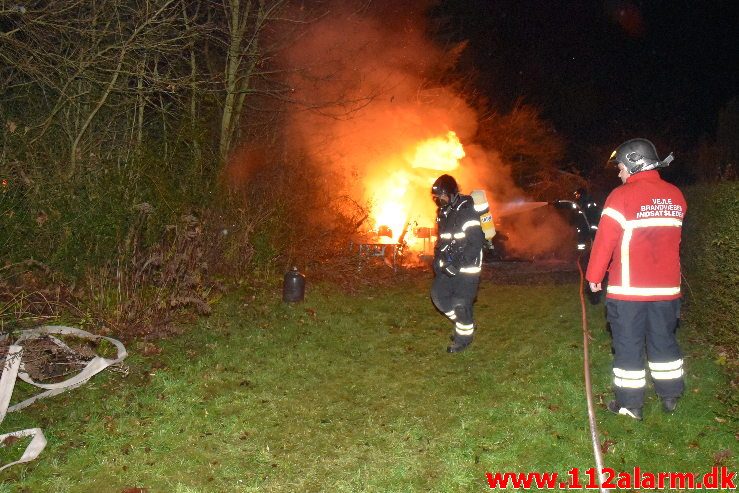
(633, 323)
(454, 296)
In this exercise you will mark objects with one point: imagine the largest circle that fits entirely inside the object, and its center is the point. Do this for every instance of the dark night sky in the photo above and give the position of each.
(603, 71)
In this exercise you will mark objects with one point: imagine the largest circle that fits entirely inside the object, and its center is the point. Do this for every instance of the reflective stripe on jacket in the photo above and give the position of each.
(639, 234)
(460, 237)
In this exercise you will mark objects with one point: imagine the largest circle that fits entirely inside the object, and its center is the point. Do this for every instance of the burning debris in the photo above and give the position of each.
(379, 122)
(399, 192)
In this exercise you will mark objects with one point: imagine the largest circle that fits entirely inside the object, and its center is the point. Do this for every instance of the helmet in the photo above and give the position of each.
(445, 185)
(638, 155)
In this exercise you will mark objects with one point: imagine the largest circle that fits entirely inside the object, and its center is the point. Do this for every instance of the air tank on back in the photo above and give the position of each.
(483, 208)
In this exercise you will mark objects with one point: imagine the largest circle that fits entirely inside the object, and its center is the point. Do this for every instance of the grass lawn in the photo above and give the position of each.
(356, 393)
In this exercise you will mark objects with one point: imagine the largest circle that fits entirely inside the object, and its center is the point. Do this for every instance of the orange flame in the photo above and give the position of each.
(441, 154)
(400, 191)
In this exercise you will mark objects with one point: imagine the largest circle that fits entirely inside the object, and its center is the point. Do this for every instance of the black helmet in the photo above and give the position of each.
(445, 184)
(638, 155)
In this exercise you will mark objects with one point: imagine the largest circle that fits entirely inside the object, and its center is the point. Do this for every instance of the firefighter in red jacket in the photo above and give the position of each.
(638, 242)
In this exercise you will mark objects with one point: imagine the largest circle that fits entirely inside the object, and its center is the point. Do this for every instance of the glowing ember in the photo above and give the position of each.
(400, 191)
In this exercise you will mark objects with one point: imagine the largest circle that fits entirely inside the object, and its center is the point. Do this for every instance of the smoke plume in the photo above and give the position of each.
(368, 83)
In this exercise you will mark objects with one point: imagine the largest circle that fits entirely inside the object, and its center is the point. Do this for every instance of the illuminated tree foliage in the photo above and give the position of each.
(533, 150)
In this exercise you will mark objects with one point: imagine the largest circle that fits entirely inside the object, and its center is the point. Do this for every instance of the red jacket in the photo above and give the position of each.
(639, 235)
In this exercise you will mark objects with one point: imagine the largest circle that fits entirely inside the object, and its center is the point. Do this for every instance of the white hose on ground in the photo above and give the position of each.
(13, 368)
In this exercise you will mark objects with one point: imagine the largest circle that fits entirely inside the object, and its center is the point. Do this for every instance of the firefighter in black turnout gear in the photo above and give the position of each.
(457, 258)
(587, 223)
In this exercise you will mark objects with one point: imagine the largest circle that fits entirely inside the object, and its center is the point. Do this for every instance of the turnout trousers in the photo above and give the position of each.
(636, 325)
(454, 296)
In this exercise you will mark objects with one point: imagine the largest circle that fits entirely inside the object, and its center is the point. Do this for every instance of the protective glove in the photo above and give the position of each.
(450, 270)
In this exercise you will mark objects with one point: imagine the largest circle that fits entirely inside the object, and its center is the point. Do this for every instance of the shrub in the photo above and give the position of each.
(710, 252)
(711, 269)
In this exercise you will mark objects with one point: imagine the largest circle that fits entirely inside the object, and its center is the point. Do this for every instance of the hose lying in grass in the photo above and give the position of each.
(13, 368)
(589, 385)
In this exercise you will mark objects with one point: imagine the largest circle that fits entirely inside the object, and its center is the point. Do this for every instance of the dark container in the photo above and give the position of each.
(293, 286)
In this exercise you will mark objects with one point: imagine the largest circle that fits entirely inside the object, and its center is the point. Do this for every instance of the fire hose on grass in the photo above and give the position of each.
(13, 367)
(589, 386)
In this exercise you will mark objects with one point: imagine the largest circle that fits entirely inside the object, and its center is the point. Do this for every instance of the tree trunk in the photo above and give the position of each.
(196, 151)
(237, 23)
(140, 107)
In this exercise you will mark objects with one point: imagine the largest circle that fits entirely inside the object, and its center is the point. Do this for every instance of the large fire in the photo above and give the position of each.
(399, 191)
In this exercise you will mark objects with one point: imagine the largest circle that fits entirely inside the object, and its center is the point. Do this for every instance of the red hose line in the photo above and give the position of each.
(594, 436)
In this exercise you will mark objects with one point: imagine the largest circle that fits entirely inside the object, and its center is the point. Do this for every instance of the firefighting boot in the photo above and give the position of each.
(459, 343)
(669, 404)
(632, 412)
